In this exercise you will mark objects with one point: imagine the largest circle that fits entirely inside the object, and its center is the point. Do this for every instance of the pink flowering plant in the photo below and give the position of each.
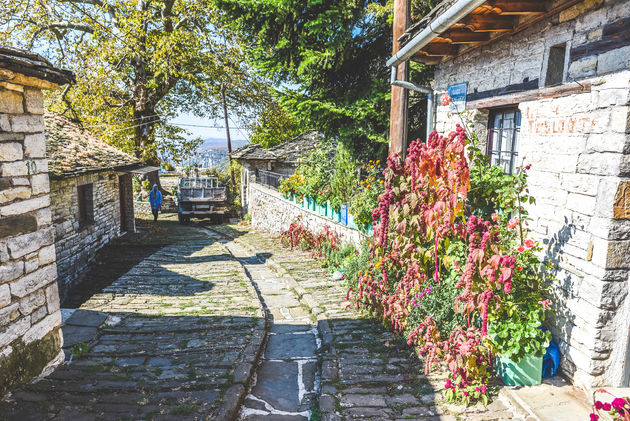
(618, 408)
(451, 264)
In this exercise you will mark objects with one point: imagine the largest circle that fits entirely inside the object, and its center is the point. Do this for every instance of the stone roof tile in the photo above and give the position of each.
(73, 151)
(289, 152)
(32, 64)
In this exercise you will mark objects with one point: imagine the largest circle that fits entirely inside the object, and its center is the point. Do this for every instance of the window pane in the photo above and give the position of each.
(505, 131)
(506, 142)
(508, 121)
(497, 121)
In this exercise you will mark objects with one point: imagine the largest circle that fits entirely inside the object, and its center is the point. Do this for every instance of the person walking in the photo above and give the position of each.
(155, 197)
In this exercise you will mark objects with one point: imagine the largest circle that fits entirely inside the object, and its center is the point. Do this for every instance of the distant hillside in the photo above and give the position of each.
(221, 143)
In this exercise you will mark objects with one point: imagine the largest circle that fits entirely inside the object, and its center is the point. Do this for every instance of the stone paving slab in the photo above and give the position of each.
(170, 334)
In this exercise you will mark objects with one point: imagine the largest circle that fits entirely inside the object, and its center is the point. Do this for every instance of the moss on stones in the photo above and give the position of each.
(28, 360)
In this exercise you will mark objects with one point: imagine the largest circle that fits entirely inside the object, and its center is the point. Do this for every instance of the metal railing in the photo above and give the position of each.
(270, 179)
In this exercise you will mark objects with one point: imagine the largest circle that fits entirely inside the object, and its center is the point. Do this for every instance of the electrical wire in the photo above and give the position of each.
(115, 123)
(173, 124)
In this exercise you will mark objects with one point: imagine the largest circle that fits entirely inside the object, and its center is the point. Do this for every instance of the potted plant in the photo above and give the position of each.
(515, 324)
(519, 342)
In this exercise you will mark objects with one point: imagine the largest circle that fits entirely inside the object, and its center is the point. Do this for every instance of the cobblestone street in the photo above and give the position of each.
(223, 323)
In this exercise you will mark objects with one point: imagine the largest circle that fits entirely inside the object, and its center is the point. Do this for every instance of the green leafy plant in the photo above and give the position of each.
(345, 179)
(79, 349)
(515, 330)
(317, 172)
(365, 200)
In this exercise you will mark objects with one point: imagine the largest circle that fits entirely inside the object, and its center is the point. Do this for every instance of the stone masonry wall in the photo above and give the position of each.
(30, 319)
(76, 245)
(578, 146)
(271, 212)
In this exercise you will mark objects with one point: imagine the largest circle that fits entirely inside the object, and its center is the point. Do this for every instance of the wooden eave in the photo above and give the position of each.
(488, 23)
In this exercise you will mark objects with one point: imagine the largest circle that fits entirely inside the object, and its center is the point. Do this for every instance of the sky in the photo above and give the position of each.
(206, 132)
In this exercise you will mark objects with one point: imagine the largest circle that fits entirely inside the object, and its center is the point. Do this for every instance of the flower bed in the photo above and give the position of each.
(337, 188)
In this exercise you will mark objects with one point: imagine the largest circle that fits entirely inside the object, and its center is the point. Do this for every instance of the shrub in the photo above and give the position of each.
(442, 268)
(365, 200)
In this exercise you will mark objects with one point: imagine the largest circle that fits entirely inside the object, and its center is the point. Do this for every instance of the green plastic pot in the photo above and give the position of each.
(321, 209)
(329, 210)
(526, 372)
(351, 223)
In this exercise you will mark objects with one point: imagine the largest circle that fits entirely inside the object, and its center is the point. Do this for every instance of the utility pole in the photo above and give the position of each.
(229, 140)
(399, 101)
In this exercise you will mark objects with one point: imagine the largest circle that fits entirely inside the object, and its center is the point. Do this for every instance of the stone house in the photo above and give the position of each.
(547, 83)
(267, 166)
(30, 320)
(91, 196)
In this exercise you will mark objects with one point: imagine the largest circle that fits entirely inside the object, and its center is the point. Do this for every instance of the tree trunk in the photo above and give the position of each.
(144, 143)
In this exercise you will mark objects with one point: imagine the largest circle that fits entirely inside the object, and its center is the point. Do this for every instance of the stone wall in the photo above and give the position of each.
(30, 319)
(577, 143)
(271, 212)
(76, 244)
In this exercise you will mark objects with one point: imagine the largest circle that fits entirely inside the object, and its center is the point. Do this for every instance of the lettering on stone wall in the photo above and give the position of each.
(31, 166)
(545, 125)
(621, 207)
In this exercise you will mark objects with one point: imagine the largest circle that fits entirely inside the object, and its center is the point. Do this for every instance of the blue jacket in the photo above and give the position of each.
(155, 197)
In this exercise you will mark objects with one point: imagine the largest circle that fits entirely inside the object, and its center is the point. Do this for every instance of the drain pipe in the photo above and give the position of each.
(443, 22)
(421, 89)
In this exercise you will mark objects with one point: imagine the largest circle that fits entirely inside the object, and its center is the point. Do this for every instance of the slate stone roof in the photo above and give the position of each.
(73, 151)
(31, 64)
(289, 152)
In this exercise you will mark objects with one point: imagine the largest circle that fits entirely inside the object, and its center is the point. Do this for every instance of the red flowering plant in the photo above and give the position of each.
(618, 408)
(444, 267)
(322, 244)
(421, 225)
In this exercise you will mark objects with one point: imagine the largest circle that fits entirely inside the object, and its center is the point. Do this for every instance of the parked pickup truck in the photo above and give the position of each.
(200, 197)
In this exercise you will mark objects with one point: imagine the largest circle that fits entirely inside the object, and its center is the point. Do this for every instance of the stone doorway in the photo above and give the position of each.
(124, 202)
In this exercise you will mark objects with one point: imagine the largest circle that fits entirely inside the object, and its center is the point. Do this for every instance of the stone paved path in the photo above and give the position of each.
(285, 386)
(224, 323)
(179, 328)
(367, 373)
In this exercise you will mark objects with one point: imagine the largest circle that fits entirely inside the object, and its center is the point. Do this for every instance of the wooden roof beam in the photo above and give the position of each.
(427, 60)
(439, 49)
(519, 7)
(464, 36)
(488, 23)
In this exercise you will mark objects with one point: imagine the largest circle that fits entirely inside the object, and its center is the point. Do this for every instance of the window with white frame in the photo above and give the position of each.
(503, 132)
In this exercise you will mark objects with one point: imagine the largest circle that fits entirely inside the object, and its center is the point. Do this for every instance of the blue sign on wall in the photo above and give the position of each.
(458, 96)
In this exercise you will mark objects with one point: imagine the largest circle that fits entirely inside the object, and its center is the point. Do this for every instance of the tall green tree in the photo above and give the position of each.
(329, 55)
(138, 63)
(274, 125)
